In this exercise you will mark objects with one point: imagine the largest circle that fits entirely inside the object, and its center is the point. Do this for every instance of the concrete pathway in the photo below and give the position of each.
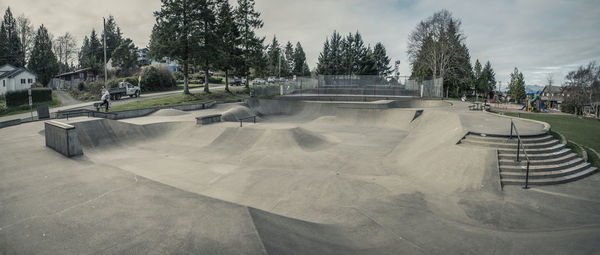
(65, 98)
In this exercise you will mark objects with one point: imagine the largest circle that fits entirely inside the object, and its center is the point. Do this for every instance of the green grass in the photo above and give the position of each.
(4, 111)
(584, 131)
(179, 99)
(593, 159)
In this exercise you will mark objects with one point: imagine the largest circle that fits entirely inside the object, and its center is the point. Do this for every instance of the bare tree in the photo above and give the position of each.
(433, 42)
(64, 48)
(26, 34)
(583, 88)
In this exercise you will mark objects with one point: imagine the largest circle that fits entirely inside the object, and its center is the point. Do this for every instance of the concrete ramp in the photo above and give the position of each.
(105, 132)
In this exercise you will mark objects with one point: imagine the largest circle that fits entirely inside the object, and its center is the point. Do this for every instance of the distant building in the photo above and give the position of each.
(554, 96)
(15, 78)
(71, 80)
(143, 57)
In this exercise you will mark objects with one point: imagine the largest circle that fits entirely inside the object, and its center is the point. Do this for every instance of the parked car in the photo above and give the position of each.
(258, 81)
(272, 79)
(236, 81)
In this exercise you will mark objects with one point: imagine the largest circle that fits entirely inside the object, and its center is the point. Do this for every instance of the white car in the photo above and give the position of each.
(258, 81)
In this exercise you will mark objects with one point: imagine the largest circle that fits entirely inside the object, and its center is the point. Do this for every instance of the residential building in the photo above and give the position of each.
(553, 95)
(71, 80)
(143, 57)
(15, 78)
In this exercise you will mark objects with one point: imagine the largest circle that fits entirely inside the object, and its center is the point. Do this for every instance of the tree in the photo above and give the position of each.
(43, 61)
(207, 37)
(516, 87)
(583, 88)
(174, 34)
(228, 34)
(434, 44)
(26, 35)
(489, 81)
(125, 57)
(324, 61)
(12, 51)
(368, 63)
(249, 20)
(64, 48)
(114, 37)
(274, 58)
(381, 59)
(91, 54)
(289, 58)
(300, 65)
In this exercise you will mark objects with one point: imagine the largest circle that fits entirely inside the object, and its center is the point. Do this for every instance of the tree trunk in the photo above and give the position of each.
(186, 89)
(206, 78)
(226, 80)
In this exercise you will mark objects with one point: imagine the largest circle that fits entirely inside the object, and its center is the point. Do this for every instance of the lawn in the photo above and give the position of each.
(179, 99)
(584, 131)
(4, 111)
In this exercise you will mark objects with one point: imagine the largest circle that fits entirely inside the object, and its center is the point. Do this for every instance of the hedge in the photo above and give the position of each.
(21, 97)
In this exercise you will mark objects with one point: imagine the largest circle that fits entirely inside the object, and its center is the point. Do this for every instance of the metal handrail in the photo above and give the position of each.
(519, 147)
(253, 117)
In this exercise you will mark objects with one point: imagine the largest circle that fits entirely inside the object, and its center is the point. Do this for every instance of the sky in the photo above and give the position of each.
(540, 37)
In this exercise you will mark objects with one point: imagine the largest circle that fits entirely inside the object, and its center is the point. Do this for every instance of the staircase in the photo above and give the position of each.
(550, 162)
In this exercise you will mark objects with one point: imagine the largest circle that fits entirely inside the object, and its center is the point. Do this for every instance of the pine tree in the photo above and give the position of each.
(274, 58)
(324, 64)
(92, 53)
(249, 20)
(368, 63)
(300, 66)
(114, 37)
(42, 60)
(174, 34)
(125, 57)
(490, 77)
(516, 87)
(382, 60)
(207, 54)
(289, 58)
(12, 51)
(230, 39)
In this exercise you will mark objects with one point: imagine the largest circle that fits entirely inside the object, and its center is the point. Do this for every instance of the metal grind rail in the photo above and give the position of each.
(251, 117)
(519, 147)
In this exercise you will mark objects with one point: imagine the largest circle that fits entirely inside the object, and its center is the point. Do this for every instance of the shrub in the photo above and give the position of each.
(81, 86)
(567, 108)
(113, 83)
(178, 75)
(155, 79)
(215, 80)
(21, 97)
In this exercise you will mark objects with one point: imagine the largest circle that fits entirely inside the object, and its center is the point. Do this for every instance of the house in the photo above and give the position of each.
(143, 57)
(553, 95)
(71, 80)
(173, 65)
(15, 78)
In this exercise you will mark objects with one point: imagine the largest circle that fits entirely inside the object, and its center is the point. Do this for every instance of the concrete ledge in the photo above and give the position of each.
(9, 123)
(209, 119)
(546, 125)
(62, 138)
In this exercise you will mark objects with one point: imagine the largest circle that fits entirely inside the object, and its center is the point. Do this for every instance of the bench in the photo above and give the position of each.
(209, 119)
(62, 138)
(250, 117)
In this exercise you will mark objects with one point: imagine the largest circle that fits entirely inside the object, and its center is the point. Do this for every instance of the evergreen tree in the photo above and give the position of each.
(368, 63)
(174, 34)
(274, 58)
(516, 87)
(248, 20)
(26, 34)
(42, 60)
(12, 51)
(125, 57)
(335, 53)
(348, 56)
(92, 53)
(207, 52)
(114, 37)
(230, 39)
(490, 77)
(300, 65)
(289, 58)
(324, 64)
(382, 60)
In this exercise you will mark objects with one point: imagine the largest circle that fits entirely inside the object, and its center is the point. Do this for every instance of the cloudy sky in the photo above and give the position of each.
(537, 36)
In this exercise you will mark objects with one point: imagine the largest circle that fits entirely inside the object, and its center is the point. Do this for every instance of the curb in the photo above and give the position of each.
(546, 125)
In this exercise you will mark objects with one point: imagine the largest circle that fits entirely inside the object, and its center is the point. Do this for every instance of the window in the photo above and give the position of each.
(29, 81)
(22, 81)
(3, 83)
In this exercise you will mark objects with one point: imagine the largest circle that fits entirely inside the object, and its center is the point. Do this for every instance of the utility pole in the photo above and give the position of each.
(104, 32)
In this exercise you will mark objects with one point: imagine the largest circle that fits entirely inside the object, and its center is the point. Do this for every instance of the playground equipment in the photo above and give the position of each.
(533, 103)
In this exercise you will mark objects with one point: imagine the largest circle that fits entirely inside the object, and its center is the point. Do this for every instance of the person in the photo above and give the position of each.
(105, 98)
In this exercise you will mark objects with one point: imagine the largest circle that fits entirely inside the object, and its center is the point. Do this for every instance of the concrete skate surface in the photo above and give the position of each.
(307, 178)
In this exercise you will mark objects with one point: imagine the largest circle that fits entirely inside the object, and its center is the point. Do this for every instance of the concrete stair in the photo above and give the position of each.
(550, 162)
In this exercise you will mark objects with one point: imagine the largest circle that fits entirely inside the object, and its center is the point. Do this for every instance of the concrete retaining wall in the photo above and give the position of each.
(10, 123)
(205, 120)
(62, 138)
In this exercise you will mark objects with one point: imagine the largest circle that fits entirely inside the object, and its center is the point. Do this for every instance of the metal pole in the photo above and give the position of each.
(518, 148)
(104, 29)
(511, 128)
(527, 177)
(240, 123)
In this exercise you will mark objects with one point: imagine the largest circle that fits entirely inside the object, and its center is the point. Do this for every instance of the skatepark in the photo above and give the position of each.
(309, 177)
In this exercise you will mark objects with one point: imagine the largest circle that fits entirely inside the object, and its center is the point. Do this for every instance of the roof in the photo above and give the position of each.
(15, 72)
(553, 89)
(75, 72)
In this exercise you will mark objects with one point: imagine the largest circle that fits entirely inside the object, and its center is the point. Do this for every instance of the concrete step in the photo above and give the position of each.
(510, 145)
(554, 160)
(550, 181)
(541, 171)
(534, 151)
(541, 168)
(528, 140)
(539, 156)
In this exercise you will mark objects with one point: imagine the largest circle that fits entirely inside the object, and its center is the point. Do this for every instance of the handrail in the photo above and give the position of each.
(519, 147)
(253, 117)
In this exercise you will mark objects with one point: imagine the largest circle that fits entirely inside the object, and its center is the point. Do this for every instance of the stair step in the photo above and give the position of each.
(549, 181)
(543, 138)
(532, 151)
(541, 168)
(540, 145)
(554, 160)
(545, 174)
(539, 156)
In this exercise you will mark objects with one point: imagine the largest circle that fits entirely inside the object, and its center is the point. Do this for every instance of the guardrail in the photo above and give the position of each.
(251, 117)
(519, 147)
